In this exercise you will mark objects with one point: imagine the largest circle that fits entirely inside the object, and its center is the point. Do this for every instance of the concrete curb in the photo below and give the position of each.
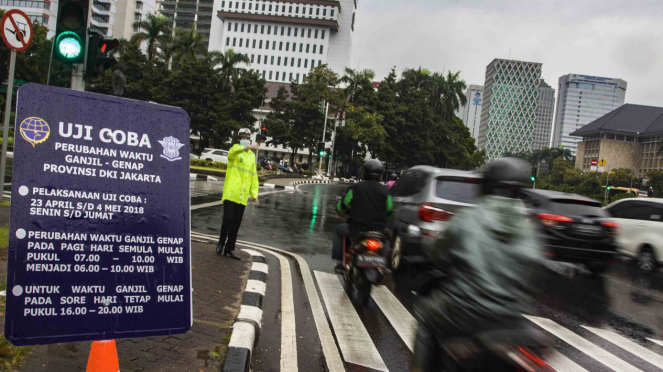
(348, 180)
(279, 187)
(246, 329)
(309, 181)
(201, 177)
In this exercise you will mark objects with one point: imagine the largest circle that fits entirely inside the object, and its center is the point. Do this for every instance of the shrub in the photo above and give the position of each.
(308, 173)
(208, 164)
(620, 196)
(258, 167)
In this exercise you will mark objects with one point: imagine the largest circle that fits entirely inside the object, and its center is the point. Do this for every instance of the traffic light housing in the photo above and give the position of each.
(533, 178)
(100, 54)
(71, 31)
(321, 107)
(321, 149)
(608, 188)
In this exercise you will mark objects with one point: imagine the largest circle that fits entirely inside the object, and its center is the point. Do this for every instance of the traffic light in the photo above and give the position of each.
(71, 30)
(321, 107)
(533, 178)
(608, 188)
(321, 148)
(100, 54)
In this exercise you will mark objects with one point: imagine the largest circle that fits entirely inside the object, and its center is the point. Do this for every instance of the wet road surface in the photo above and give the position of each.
(598, 323)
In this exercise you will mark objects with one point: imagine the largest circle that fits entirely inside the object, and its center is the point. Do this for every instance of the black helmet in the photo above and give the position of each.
(394, 176)
(504, 173)
(372, 169)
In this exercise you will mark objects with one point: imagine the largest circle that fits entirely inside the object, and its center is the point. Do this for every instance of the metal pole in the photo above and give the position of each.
(5, 128)
(607, 192)
(50, 62)
(323, 139)
(331, 161)
(77, 81)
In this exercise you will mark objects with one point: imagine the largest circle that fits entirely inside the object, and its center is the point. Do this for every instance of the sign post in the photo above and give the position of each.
(16, 31)
(99, 243)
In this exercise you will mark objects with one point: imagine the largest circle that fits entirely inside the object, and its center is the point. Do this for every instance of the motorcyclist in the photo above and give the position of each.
(489, 254)
(392, 180)
(368, 204)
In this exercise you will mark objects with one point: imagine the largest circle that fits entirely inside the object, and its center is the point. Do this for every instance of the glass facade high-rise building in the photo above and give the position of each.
(188, 14)
(508, 113)
(582, 99)
(471, 112)
(544, 116)
(285, 40)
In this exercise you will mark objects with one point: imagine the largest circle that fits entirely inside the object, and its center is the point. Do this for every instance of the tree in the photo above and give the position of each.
(447, 94)
(187, 45)
(155, 30)
(228, 63)
(357, 82)
(655, 180)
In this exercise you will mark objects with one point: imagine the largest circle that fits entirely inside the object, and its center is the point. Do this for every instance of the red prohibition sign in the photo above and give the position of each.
(6, 27)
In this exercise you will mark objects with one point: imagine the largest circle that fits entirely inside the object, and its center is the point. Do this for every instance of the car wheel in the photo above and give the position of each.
(597, 267)
(647, 260)
(396, 261)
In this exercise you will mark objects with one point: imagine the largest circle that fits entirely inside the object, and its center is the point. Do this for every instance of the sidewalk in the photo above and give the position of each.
(218, 284)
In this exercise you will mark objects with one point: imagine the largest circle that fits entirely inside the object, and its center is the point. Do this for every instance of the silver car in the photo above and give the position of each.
(425, 198)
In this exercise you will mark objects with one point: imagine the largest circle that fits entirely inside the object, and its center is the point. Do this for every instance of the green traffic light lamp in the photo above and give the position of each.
(69, 45)
(533, 178)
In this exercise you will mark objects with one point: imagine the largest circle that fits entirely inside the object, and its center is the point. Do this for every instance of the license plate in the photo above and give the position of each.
(588, 229)
(371, 260)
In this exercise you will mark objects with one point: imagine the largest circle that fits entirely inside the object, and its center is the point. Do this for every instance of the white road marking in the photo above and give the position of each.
(253, 253)
(629, 346)
(658, 342)
(583, 345)
(353, 338)
(401, 319)
(256, 286)
(214, 204)
(563, 364)
(288, 329)
(259, 266)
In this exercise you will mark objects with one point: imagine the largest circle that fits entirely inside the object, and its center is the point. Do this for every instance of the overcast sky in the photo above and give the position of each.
(609, 38)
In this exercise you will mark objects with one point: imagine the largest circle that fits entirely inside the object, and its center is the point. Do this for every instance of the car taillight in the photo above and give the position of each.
(373, 245)
(611, 225)
(552, 220)
(429, 213)
(530, 361)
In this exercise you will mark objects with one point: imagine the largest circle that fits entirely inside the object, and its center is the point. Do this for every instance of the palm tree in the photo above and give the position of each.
(154, 29)
(455, 94)
(228, 63)
(122, 47)
(187, 46)
(356, 79)
(566, 154)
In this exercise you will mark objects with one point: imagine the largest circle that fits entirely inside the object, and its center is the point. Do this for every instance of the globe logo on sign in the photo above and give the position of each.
(34, 130)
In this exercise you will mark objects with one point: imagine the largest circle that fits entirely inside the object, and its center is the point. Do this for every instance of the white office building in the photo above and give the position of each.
(544, 117)
(582, 99)
(471, 112)
(130, 11)
(44, 12)
(285, 39)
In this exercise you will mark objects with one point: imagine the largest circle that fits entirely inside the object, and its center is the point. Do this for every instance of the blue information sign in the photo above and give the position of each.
(99, 244)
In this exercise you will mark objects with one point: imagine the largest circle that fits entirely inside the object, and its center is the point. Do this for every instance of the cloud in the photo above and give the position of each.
(608, 38)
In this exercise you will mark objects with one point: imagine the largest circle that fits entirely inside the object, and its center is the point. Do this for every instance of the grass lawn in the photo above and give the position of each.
(5, 203)
(209, 169)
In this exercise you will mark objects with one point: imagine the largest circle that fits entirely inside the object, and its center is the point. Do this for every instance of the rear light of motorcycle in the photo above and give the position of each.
(429, 213)
(373, 245)
(529, 361)
(612, 226)
(553, 220)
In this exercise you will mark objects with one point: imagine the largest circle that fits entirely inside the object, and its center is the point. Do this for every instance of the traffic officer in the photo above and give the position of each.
(240, 183)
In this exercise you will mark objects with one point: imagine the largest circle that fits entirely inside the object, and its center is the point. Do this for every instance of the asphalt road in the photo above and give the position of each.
(598, 323)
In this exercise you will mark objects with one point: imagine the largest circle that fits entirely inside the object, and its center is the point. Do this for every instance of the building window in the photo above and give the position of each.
(289, 29)
(301, 46)
(243, 5)
(260, 45)
(306, 63)
(277, 75)
(309, 33)
(299, 62)
(269, 30)
(297, 77)
(312, 64)
(249, 31)
(272, 61)
(227, 41)
(302, 32)
(287, 47)
(290, 9)
(254, 45)
(229, 25)
(262, 29)
(223, 4)
(304, 78)
(230, 4)
(250, 4)
(285, 61)
(137, 17)
(242, 30)
(263, 7)
(274, 45)
(296, 11)
(316, 34)
(291, 76)
(270, 75)
(292, 62)
(317, 11)
(278, 62)
(324, 12)
(259, 58)
(296, 31)
(236, 24)
(314, 48)
(240, 42)
(280, 45)
(332, 12)
(251, 58)
(310, 11)
(270, 8)
(323, 35)
(263, 73)
(321, 48)
(319, 62)
(294, 47)
(234, 41)
(284, 79)
(283, 9)
(282, 31)
(308, 47)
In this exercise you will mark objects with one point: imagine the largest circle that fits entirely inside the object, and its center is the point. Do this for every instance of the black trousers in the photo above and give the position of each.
(232, 219)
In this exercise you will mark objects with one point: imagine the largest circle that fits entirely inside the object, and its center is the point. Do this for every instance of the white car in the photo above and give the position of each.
(640, 232)
(217, 155)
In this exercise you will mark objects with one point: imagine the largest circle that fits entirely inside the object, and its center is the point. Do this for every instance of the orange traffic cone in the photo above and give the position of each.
(103, 357)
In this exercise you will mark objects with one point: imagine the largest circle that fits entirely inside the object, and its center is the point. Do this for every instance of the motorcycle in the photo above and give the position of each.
(364, 264)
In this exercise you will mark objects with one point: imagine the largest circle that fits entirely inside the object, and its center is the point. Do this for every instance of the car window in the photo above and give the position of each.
(464, 190)
(575, 207)
(656, 214)
(631, 210)
(419, 182)
(219, 153)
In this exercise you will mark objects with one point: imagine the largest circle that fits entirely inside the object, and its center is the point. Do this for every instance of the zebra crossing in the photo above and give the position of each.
(352, 335)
